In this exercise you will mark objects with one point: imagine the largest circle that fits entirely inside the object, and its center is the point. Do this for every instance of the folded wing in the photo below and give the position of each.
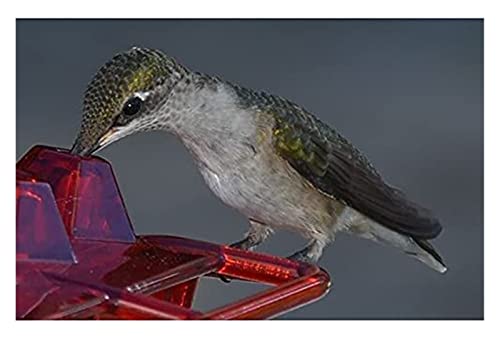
(338, 169)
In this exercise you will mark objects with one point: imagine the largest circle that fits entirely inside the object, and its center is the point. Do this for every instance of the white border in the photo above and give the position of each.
(250, 9)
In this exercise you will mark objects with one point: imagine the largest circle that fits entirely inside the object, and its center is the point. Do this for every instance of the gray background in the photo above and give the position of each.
(409, 93)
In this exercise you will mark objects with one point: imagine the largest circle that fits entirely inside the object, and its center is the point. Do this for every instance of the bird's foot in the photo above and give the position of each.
(299, 256)
(256, 234)
(310, 254)
(222, 277)
(303, 256)
(246, 244)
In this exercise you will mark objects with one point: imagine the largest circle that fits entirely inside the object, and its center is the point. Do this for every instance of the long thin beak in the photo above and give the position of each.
(109, 137)
(78, 148)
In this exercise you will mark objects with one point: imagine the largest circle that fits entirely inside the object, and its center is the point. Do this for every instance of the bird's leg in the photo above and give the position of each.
(255, 235)
(311, 253)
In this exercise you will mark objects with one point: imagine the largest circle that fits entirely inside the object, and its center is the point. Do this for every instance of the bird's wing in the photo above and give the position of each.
(338, 169)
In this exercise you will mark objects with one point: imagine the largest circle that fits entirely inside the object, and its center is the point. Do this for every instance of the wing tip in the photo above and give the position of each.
(433, 227)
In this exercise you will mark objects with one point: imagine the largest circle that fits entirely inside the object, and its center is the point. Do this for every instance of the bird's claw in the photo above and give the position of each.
(222, 277)
(299, 257)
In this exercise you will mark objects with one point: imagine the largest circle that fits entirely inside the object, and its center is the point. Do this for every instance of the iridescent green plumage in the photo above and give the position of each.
(291, 145)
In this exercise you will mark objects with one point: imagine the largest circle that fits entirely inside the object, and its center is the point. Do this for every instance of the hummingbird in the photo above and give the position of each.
(261, 154)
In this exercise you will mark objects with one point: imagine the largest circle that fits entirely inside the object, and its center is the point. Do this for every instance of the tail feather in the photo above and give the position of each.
(418, 248)
(428, 255)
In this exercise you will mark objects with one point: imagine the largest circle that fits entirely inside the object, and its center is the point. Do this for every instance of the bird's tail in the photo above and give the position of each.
(423, 251)
(420, 249)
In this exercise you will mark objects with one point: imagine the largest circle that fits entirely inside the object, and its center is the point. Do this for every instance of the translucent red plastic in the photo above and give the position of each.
(86, 262)
(40, 233)
(86, 194)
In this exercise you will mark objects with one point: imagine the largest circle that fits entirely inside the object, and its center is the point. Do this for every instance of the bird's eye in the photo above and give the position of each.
(132, 106)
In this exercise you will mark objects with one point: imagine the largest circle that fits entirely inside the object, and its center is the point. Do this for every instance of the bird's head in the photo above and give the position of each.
(125, 97)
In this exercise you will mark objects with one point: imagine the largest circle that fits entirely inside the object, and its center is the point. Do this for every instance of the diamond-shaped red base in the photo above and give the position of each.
(88, 264)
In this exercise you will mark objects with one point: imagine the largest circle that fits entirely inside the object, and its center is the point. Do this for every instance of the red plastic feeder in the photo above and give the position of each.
(78, 256)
